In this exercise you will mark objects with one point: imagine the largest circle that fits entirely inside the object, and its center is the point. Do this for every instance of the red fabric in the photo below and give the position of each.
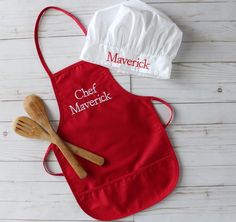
(141, 167)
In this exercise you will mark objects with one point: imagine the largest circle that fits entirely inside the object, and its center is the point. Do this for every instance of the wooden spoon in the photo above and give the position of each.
(34, 106)
(27, 127)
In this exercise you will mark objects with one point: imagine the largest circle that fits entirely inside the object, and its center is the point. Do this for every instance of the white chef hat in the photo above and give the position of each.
(134, 38)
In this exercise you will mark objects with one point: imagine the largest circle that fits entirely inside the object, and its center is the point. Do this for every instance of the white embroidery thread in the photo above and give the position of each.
(82, 93)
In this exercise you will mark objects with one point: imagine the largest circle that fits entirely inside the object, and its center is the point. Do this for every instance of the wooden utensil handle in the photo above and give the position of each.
(69, 156)
(92, 157)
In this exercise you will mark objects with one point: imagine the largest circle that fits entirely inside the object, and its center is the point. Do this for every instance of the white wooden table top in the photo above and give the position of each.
(202, 91)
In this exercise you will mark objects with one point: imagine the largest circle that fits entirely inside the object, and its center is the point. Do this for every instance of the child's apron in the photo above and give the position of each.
(97, 113)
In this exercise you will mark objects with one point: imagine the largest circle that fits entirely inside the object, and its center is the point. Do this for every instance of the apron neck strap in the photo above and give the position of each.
(168, 106)
(36, 33)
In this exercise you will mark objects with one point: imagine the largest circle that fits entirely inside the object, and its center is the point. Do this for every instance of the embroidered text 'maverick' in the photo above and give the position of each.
(82, 93)
(129, 62)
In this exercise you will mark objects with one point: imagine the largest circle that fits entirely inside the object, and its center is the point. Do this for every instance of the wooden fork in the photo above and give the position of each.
(26, 127)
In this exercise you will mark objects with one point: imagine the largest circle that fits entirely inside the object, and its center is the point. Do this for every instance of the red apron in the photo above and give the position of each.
(97, 113)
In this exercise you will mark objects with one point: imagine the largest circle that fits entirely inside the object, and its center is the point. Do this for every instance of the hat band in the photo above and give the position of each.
(127, 61)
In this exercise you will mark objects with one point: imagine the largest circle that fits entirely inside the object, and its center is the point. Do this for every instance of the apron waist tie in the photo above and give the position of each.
(45, 165)
(167, 105)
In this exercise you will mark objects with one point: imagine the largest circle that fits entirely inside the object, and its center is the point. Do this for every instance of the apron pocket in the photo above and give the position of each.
(133, 192)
